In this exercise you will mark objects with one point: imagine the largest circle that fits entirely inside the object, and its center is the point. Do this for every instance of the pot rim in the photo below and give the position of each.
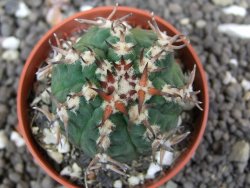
(20, 111)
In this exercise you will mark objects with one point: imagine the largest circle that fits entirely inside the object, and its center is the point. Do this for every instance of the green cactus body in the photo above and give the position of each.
(127, 140)
(119, 90)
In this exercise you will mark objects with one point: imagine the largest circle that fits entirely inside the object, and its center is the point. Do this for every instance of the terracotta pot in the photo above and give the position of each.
(39, 53)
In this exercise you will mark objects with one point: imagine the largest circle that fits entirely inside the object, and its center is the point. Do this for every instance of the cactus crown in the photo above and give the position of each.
(118, 91)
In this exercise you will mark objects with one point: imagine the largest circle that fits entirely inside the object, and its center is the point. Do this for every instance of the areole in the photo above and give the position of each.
(40, 52)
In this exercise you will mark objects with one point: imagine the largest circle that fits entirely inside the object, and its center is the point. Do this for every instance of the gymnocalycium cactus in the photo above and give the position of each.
(118, 91)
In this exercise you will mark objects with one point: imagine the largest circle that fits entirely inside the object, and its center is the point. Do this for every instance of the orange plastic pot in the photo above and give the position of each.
(39, 53)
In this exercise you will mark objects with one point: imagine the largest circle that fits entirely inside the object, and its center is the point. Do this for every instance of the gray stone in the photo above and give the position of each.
(31, 39)
(240, 151)
(241, 166)
(201, 24)
(25, 52)
(7, 183)
(32, 169)
(175, 8)
(23, 23)
(233, 91)
(7, 29)
(196, 16)
(21, 32)
(193, 7)
(23, 11)
(19, 167)
(22, 184)
(10, 70)
(10, 55)
(217, 134)
(47, 182)
(4, 93)
(226, 18)
(223, 2)
(2, 163)
(248, 178)
(33, 3)
(201, 152)
(77, 3)
(171, 184)
(10, 43)
(207, 7)
(11, 6)
(237, 114)
(15, 177)
(217, 48)
(3, 114)
(202, 185)
(2, 70)
(33, 17)
(188, 185)
(35, 184)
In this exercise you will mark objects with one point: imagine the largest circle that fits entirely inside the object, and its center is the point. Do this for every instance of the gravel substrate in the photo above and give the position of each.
(222, 158)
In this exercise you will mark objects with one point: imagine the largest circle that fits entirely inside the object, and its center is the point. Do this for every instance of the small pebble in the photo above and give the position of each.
(35, 130)
(217, 134)
(235, 10)
(141, 176)
(184, 21)
(188, 185)
(20, 32)
(240, 152)
(171, 184)
(47, 182)
(228, 78)
(234, 62)
(248, 178)
(168, 158)
(133, 181)
(222, 2)
(3, 140)
(11, 43)
(15, 177)
(245, 84)
(11, 6)
(54, 16)
(152, 170)
(85, 7)
(64, 146)
(247, 96)
(22, 11)
(10, 55)
(58, 157)
(45, 96)
(3, 113)
(17, 139)
(49, 137)
(201, 24)
(33, 3)
(233, 90)
(19, 167)
(235, 30)
(117, 184)
(6, 29)
(73, 171)
(175, 8)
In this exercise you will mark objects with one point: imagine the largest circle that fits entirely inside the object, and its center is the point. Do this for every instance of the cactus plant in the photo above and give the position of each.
(118, 91)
